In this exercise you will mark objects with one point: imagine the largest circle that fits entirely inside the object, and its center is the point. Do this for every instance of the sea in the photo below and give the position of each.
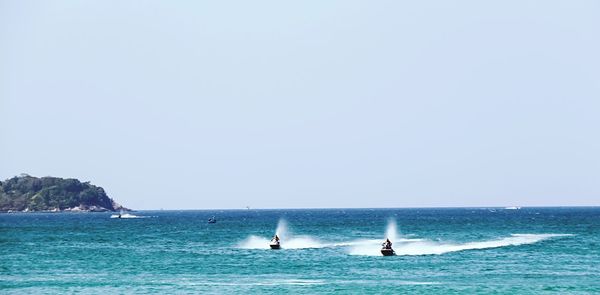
(323, 251)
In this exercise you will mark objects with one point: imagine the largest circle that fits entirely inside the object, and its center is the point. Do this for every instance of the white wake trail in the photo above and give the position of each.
(288, 240)
(428, 247)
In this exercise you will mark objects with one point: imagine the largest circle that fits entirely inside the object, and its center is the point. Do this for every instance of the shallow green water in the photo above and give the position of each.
(466, 250)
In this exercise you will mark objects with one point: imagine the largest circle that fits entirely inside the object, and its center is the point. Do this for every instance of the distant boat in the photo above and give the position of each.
(122, 215)
(212, 220)
(512, 208)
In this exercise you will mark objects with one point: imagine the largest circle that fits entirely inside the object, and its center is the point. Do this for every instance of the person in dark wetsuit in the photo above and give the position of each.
(387, 244)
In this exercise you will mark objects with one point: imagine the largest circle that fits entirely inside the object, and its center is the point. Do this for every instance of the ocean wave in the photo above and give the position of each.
(304, 282)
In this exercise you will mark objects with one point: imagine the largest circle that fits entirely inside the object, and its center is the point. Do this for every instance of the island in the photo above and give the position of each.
(26, 193)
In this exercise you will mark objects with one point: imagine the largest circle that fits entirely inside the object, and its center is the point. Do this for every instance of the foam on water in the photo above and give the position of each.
(288, 240)
(127, 216)
(297, 242)
(427, 247)
(254, 242)
(430, 247)
(402, 245)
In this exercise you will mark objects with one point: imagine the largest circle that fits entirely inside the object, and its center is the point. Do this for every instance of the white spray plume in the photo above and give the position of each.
(282, 229)
(391, 231)
(288, 240)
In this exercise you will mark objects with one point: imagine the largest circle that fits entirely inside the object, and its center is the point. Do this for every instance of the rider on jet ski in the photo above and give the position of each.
(387, 244)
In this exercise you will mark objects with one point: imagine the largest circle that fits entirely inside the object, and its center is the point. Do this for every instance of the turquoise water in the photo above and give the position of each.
(462, 250)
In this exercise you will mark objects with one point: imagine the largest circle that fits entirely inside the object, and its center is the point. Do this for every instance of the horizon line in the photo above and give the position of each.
(366, 208)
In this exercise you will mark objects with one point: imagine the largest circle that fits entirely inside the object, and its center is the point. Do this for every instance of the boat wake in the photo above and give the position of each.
(402, 244)
(288, 241)
(299, 242)
(428, 247)
(127, 216)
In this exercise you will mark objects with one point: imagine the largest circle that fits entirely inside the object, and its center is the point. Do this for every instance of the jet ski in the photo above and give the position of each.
(386, 248)
(275, 244)
(212, 220)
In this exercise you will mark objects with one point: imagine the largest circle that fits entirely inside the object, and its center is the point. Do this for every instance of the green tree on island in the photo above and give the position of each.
(28, 193)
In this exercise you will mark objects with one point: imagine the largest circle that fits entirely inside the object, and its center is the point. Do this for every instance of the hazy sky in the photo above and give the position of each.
(227, 104)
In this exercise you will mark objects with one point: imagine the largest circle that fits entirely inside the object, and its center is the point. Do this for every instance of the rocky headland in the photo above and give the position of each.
(26, 193)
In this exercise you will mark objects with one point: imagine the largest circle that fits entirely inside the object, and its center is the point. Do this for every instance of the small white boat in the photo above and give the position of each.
(512, 208)
(122, 215)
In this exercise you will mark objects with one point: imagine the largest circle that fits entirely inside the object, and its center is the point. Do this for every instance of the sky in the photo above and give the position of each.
(309, 104)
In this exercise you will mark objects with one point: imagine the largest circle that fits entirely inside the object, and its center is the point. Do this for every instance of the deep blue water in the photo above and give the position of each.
(454, 250)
